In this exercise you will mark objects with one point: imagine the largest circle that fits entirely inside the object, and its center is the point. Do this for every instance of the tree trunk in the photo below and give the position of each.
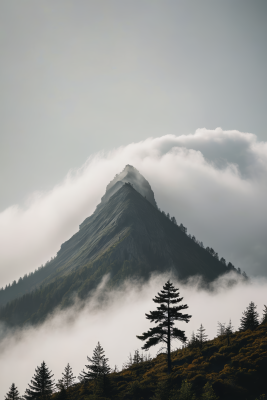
(169, 343)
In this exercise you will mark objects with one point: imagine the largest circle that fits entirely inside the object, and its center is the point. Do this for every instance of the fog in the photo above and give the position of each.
(71, 336)
(212, 181)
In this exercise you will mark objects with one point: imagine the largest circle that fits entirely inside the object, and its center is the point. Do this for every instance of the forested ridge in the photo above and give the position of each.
(237, 371)
(232, 366)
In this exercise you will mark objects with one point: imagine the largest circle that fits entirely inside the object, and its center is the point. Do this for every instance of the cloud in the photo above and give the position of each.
(213, 181)
(70, 336)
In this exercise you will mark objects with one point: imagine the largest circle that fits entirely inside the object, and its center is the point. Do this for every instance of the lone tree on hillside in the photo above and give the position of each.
(164, 317)
(250, 319)
(42, 384)
(13, 393)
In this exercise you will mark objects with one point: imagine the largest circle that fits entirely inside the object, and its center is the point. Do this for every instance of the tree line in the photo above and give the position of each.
(97, 369)
(210, 250)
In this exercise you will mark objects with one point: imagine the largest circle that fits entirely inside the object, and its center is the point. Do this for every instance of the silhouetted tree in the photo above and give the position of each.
(225, 331)
(173, 219)
(13, 393)
(221, 329)
(201, 336)
(229, 331)
(98, 366)
(98, 369)
(42, 384)
(67, 379)
(264, 316)
(244, 275)
(137, 358)
(193, 342)
(183, 228)
(165, 316)
(250, 319)
(128, 363)
(230, 266)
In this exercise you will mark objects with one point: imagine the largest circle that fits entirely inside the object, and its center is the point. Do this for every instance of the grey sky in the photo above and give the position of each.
(80, 76)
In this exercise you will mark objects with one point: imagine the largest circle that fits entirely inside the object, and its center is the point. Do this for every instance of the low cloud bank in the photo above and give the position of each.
(212, 181)
(70, 336)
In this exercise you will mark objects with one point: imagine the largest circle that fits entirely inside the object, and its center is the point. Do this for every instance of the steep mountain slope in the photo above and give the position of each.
(126, 236)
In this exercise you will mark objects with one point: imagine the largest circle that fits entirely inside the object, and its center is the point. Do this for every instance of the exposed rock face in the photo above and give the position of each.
(130, 175)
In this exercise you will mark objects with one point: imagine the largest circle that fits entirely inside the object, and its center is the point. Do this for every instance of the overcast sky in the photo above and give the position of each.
(82, 77)
(77, 77)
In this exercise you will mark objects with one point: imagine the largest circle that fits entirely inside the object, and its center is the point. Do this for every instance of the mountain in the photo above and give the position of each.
(127, 236)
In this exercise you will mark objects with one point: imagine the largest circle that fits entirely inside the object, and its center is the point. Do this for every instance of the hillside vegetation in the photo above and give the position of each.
(236, 371)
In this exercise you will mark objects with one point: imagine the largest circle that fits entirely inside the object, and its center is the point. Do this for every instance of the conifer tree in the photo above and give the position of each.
(68, 378)
(201, 336)
(98, 367)
(264, 316)
(250, 319)
(13, 393)
(221, 329)
(42, 384)
(193, 341)
(165, 316)
(229, 331)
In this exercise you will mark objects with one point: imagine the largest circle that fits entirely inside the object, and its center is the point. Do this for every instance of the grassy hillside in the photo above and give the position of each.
(236, 372)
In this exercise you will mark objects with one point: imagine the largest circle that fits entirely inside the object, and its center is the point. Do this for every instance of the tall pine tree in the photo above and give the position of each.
(165, 316)
(250, 319)
(42, 384)
(13, 393)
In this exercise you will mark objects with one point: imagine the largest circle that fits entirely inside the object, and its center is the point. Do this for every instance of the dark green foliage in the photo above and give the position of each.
(165, 317)
(13, 393)
(42, 384)
(264, 316)
(193, 342)
(162, 391)
(62, 394)
(250, 319)
(208, 392)
(186, 392)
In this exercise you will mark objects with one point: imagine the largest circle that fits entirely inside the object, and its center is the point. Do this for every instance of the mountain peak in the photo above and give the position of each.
(130, 175)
